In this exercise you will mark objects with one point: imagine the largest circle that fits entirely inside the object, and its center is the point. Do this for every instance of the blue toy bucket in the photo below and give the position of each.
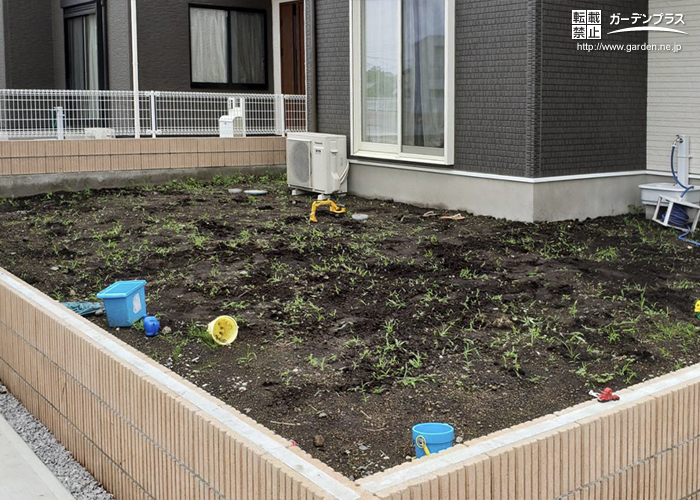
(125, 302)
(437, 436)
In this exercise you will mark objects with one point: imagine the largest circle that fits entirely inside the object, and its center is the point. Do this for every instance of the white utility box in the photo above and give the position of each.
(317, 163)
(233, 124)
(100, 133)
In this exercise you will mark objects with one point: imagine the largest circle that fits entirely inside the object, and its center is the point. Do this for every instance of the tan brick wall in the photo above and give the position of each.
(646, 449)
(146, 433)
(51, 157)
(142, 438)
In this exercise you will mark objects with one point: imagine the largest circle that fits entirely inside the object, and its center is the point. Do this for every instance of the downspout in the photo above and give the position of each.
(135, 70)
(311, 111)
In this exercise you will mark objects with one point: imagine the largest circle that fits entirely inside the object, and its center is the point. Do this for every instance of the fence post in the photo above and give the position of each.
(243, 116)
(279, 115)
(60, 126)
(154, 121)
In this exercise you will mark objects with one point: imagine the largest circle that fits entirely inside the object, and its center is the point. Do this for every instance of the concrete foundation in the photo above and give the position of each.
(18, 186)
(441, 188)
(514, 198)
(587, 198)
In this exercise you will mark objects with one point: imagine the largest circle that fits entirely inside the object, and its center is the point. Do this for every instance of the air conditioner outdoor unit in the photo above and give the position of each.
(317, 163)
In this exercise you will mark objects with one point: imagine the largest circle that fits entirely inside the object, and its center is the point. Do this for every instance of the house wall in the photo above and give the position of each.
(164, 42)
(674, 87)
(34, 44)
(491, 107)
(333, 66)
(27, 33)
(491, 74)
(514, 198)
(3, 31)
(592, 104)
(528, 103)
(119, 45)
(58, 46)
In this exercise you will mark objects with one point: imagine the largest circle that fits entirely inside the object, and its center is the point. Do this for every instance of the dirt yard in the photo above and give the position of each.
(352, 332)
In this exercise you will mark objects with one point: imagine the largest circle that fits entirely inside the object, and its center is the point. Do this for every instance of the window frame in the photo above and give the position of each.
(229, 70)
(81, 8)
(391, 151)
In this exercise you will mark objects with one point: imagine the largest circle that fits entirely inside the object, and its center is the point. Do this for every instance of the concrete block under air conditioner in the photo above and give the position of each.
(100, 133)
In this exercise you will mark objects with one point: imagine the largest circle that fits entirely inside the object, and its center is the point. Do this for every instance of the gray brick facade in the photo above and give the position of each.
(593, 105)
(491, 99)
(527, 102)
(28, 44)
(333, 66)
(164, 42)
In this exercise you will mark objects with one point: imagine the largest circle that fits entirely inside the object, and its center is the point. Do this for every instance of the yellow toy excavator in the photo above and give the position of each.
(334, 208)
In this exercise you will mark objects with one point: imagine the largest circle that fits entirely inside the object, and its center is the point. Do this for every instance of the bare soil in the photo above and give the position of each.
(352, 332)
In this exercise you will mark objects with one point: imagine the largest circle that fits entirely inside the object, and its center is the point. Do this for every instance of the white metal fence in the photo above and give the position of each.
(66, 113)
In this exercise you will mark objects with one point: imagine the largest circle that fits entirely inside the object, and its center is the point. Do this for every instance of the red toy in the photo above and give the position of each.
(605, 396)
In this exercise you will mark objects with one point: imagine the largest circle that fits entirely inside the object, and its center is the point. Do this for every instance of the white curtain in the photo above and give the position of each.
(93, 78)
(423, 84)
(208, 51)
(247, 47)
(92, 69)
(380, 67)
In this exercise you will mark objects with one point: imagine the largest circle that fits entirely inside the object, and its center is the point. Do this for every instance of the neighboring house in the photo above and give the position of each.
(486, 106)
(211, 45)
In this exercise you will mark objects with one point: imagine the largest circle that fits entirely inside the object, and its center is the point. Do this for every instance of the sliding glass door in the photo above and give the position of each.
(380, 72)
(423, 82)
(402, 76)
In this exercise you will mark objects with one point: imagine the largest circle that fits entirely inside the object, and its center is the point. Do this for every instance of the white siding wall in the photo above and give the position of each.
(674, 86)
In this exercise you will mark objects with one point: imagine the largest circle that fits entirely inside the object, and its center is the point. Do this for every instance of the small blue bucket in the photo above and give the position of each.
(437, 436)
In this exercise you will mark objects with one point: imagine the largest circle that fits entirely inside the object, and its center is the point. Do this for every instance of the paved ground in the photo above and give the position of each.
(22, 475)
(34, 465)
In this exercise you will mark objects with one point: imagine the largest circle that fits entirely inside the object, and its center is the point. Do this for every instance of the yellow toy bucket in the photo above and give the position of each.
(223, 330)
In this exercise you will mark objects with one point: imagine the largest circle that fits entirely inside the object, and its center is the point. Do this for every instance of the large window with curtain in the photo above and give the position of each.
(85, 45)
(228, 48)
(403, 79)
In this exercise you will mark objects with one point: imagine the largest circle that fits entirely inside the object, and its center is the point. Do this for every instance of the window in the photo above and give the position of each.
(403, 79)
(228, 48)
(84, 45)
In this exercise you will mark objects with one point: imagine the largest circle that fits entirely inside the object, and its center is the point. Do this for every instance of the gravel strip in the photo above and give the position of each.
(77, 480)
